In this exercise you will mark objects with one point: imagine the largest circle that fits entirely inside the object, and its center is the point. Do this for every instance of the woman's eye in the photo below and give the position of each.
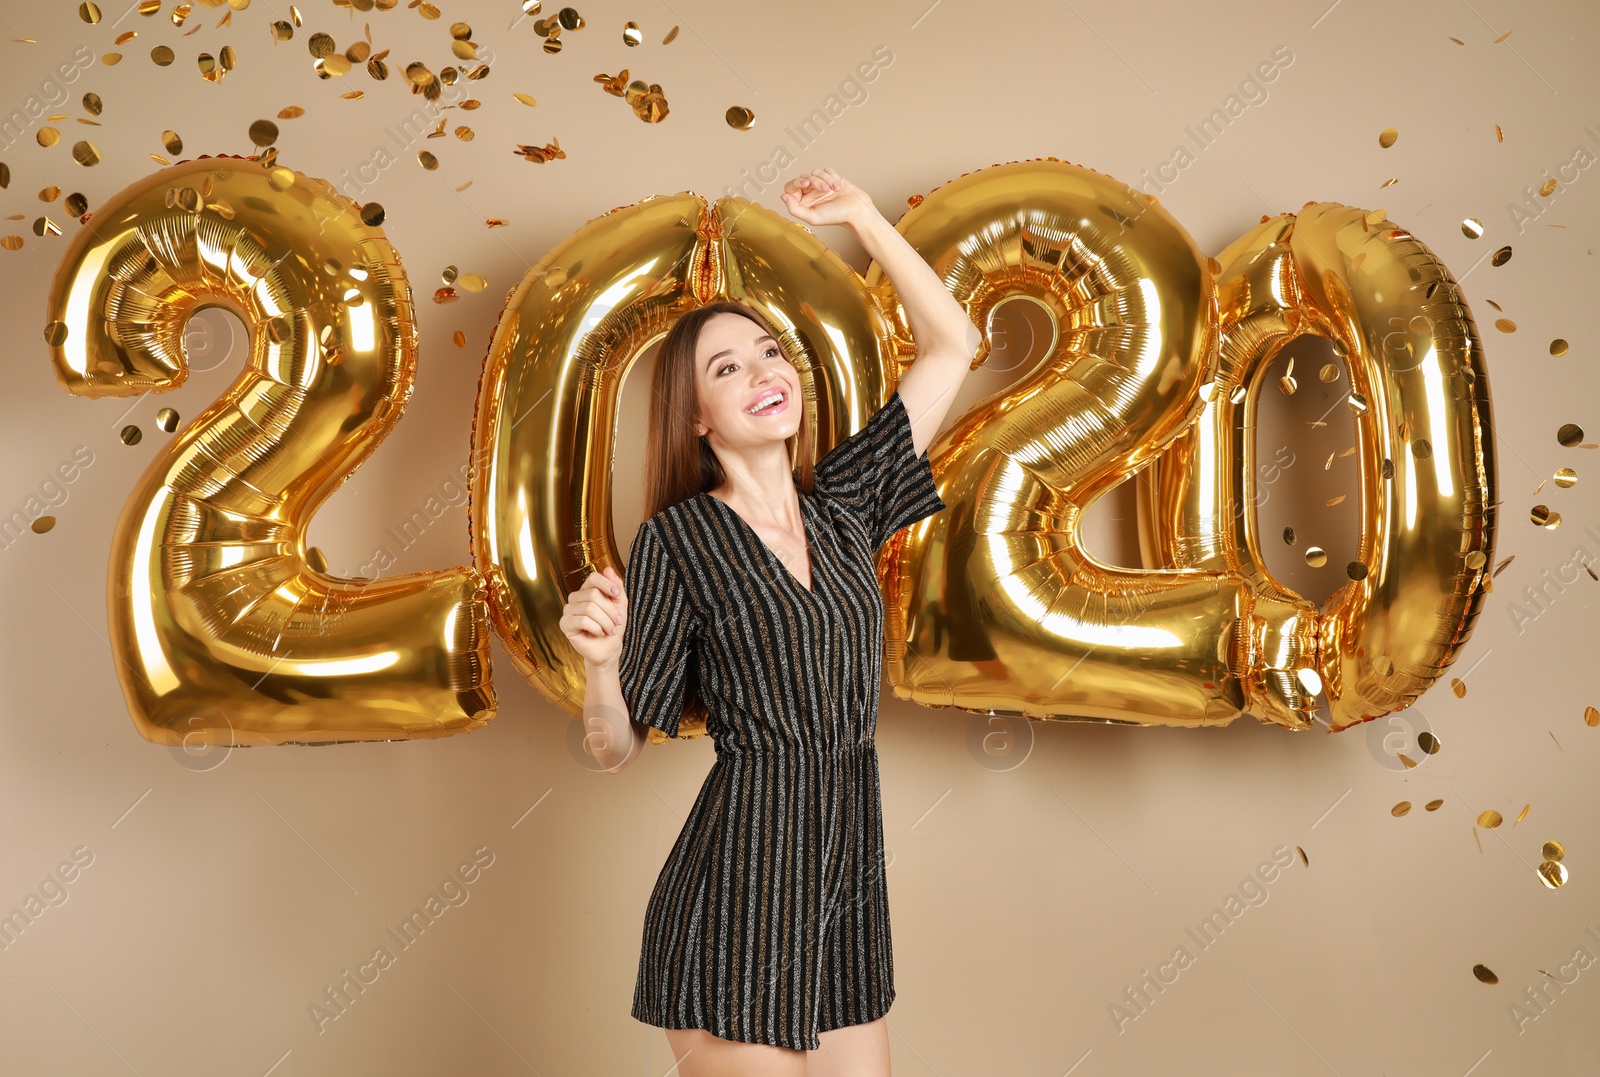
(725, 367)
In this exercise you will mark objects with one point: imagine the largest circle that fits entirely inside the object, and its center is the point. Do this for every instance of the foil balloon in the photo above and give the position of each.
(544, 428)
(222, 632)
(993, 604)
(1420, 396)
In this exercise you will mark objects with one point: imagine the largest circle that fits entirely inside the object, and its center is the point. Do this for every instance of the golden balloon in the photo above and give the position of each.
(223, 632)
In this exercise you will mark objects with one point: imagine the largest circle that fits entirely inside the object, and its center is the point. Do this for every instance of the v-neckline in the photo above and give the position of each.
(805, 521)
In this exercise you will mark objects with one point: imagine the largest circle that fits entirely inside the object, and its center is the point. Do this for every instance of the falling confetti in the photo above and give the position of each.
(1387, 137)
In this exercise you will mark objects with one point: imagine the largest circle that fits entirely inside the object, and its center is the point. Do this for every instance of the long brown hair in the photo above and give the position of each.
(679, 463)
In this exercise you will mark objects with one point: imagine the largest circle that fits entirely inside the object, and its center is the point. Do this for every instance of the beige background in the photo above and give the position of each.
(1029, 889)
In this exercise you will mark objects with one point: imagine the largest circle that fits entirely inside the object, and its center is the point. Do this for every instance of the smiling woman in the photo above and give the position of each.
(756, 593)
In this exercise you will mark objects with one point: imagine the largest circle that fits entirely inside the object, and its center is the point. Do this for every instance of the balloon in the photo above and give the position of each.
(1420, 393)
(544, 426)
(222, 633)
(994, 605)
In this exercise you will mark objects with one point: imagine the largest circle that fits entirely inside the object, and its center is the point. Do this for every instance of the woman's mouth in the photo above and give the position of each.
(769, 403)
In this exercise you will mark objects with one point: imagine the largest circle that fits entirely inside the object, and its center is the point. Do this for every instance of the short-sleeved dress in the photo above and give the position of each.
(769, 922)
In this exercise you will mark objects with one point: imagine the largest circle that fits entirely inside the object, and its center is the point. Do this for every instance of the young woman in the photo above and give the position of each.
(766, 946)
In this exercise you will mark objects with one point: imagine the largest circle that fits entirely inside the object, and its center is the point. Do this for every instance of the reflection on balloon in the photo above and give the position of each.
(222, 632)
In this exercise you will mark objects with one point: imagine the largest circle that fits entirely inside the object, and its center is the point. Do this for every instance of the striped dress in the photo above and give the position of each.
(769, 922)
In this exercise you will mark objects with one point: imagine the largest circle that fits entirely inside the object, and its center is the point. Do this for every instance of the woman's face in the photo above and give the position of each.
(738, 368)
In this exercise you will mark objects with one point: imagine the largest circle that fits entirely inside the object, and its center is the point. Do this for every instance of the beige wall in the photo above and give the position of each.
(227, 893)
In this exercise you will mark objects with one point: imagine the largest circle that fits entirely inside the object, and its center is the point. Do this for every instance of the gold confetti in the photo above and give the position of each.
(1501, 256)
(1503, 36)
(321, 46)
(1475, 560)
(43, 525)
(293, 112)
(1503, 565)
(372, 214)
(1402, 808)
(1387, 137)
(1541, 515)
(473, 282)
(92, 104)
(160, 160)
(740, 118)
(282, 31)
(464, 186)
(1387, 182)
(469, 104)
(1505, 325)
(50, 194)
(354, 95)
(1433, 805)
(1421, 448)
(1547, 188)
(89, 13)
(1482, 972)
(427, 11)
(460, 338)
(111, 59)
(1524, 813)
(85, 153)
(1328, 466)
(1316, 556)
(180, 13)
(359, 53)
(1570, 435)
(1566, 478)
(1428, 742)
(11, 243)
(263, 132)
(1591, 715)
(331, 67)
(1490, 819)
(173, 144)
(1459, 687)
(131, 435)
(1472, 228)
(1558, 347)
(1288, 536)
(525, 98)
(1356, 571)
(47, 136)
(1287, 385)
(125, 37)
(464, 133)
(496, 222)
(541, 154)
(445, 295)
(149, 7)
(1332, 501)
(161, 56)
(44, 226)
(76, 204)
(1329, 373)
(631, 35)
(294, 13)
(427, 160)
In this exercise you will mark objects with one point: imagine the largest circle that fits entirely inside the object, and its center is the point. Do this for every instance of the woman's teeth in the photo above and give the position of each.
(772, 407)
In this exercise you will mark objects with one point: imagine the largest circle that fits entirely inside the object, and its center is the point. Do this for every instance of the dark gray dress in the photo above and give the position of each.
(769, 922)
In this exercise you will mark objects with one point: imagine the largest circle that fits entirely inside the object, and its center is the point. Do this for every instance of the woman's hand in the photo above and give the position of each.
(594, 616)
(822, 196)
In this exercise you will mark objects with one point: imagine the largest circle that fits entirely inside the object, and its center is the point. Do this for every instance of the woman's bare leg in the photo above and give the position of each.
(852, 1051)
(700, 1054)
